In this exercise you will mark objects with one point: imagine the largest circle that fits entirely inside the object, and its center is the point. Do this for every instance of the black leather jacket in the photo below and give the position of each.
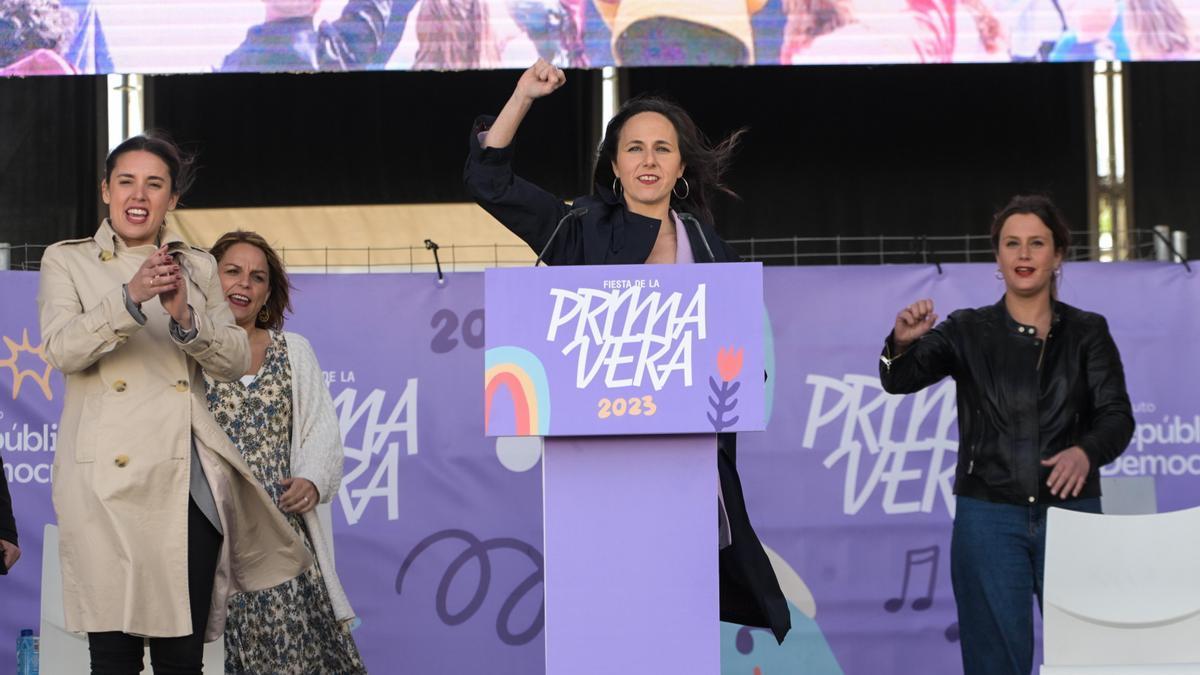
(1021, 398)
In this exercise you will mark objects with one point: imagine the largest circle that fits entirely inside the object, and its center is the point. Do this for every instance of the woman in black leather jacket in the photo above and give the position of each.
(1041, 407)
(654, 171)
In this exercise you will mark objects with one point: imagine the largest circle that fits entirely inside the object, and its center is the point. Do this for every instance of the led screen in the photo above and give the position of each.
(39, 37)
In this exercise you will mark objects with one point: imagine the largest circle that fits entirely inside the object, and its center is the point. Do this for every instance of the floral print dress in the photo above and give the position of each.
(290, 628)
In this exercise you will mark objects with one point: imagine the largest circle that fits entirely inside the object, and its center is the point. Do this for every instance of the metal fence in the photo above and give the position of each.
(783, 251)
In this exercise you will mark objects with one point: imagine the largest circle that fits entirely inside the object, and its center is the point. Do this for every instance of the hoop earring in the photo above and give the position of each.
(687, 189)
(264, 315)
(999, 275)
(1058, 272)
(616, 187)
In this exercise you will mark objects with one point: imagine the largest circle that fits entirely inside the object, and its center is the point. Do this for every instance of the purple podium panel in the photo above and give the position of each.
(624, 350)
(631, 555)
(628, 371)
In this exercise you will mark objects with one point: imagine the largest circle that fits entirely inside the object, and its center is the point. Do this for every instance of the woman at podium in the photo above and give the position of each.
(653, 178)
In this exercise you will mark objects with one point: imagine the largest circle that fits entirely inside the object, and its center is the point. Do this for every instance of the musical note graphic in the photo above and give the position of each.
(914, 558)
(952, 632)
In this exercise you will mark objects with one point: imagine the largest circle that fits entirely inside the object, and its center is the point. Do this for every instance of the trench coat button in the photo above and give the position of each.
(119, 386)
(181, 386)
(106, 255)
(1032, 500)
(121, 460)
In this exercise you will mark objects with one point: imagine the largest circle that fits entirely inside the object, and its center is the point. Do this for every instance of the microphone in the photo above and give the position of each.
(689, 218)
(573, 213)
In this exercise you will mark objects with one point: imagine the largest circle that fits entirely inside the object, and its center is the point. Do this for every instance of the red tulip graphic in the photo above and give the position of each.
(729, 366)
(729, 362)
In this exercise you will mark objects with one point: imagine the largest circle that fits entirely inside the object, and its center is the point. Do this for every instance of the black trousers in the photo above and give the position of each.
(116, 653)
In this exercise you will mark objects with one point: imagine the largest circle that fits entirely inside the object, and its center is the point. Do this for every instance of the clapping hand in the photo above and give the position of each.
(158, 274)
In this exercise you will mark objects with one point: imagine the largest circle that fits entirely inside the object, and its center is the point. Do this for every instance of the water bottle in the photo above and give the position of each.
(27, 653)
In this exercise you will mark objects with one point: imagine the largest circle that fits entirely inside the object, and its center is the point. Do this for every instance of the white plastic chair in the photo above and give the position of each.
(62, 652)
(1122, 594)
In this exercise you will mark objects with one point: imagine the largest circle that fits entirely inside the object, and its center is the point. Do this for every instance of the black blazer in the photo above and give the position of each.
(8, 525)
(609, 234)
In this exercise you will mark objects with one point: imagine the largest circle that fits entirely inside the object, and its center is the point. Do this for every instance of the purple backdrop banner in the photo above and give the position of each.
(439, 527)
(623, 350)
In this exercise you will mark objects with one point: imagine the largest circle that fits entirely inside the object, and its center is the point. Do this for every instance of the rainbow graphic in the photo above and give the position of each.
(525, 377)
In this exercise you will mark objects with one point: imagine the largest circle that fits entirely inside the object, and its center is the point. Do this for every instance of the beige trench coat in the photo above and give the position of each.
(134, 402)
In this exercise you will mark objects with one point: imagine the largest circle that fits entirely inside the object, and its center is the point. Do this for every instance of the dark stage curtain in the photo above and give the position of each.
(49, 172)
(1165, 146)
(830, 150)
(890, 149)
(849, 150)
(361, 138)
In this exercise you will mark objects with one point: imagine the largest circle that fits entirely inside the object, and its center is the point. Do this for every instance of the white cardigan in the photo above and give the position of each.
(317, 456)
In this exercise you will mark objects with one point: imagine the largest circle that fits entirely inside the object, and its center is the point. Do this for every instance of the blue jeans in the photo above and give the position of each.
(997, 556)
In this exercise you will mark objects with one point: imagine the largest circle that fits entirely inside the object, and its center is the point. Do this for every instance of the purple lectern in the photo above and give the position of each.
(628, 372)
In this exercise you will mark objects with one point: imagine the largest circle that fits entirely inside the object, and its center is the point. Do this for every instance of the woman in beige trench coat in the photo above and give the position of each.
(160, 518)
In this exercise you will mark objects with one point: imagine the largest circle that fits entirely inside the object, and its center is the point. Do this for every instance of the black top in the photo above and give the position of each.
(609, 234)
(1022, 397)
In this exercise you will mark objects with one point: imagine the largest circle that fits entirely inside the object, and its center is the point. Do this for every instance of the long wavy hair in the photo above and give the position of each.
(705, 163)
(1159, 29)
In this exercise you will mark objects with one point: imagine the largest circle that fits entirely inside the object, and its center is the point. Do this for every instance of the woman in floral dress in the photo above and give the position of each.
(281, 417)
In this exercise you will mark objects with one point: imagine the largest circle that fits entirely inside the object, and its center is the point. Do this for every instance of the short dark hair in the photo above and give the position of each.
(279, 301)
(1044, 208)
(705, 163)
(29, 25)
(180, 165)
